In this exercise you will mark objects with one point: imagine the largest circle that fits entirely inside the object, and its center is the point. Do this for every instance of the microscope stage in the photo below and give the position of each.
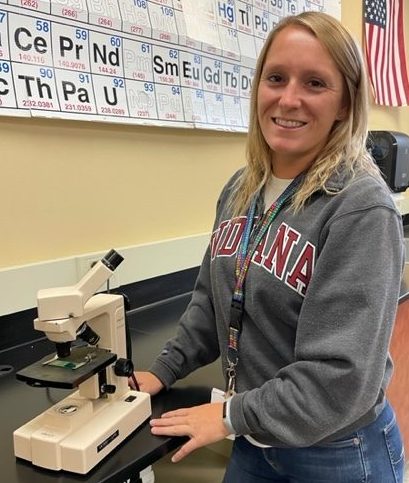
(68, 372)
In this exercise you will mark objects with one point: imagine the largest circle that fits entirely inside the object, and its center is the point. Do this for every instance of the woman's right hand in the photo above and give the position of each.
(147, 382)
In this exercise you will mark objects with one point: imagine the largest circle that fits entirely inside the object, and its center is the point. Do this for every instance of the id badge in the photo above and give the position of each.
(217, 395)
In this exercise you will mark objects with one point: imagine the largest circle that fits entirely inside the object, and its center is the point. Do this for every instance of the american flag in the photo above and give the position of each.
(385, 51)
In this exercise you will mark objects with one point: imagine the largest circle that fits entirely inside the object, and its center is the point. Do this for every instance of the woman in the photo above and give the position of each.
(299, 287)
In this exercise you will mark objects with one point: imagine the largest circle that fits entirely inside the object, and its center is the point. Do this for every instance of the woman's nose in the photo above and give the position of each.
(290, 96)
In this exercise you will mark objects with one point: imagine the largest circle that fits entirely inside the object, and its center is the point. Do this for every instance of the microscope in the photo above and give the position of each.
(90, 336)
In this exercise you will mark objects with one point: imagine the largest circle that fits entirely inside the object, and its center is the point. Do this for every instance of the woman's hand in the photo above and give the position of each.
(203, 424)
(147, 382)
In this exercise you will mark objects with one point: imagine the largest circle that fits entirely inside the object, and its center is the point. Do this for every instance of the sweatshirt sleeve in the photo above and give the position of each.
(195, 343)
(342, 339)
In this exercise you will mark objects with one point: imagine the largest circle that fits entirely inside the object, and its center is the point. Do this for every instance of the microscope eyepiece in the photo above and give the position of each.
(88, 335)
(112, 259)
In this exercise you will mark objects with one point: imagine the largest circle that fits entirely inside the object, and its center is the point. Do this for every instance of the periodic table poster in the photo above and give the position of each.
(183, 63)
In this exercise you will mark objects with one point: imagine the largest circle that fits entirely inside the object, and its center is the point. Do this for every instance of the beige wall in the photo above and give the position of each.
(75, 187)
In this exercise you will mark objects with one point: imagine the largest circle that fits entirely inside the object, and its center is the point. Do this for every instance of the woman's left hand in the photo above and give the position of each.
(203, 424)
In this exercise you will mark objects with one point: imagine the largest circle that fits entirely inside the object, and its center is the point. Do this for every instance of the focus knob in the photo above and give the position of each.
(108, 388)
(123, 367)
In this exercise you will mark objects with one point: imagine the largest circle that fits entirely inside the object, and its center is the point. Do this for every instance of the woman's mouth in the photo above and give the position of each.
(288, 123)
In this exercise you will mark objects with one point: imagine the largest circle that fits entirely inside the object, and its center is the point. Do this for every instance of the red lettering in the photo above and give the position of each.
(301, 274)
(216, 238)
(281, 249)
(68, 12)
(258, 252)
(231, 241)
(136, 30)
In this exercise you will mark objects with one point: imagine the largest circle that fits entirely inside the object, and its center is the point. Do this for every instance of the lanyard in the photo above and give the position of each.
(249, 242)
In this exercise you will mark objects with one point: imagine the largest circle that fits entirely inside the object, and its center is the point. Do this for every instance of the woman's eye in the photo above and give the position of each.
(316, 83)
(275, 78)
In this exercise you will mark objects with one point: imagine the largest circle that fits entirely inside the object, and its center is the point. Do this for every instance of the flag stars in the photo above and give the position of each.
(375, 12)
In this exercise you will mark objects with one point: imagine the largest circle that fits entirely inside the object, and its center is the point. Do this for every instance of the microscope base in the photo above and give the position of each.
(77, 433)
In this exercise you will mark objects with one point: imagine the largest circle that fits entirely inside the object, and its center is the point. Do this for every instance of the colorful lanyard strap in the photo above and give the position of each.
(249, 242)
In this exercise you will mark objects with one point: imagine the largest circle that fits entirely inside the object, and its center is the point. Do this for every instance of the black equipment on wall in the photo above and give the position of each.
(390, 151)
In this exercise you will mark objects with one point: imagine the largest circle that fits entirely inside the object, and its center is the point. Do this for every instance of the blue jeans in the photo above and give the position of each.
(374, 454)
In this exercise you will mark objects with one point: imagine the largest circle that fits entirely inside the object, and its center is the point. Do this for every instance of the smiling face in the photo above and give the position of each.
(299, 97)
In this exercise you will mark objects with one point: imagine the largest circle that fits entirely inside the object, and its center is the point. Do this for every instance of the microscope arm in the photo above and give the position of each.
(65, 302)
(62, 310)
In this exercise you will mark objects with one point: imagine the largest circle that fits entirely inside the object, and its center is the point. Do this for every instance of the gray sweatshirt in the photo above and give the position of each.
(320, 303)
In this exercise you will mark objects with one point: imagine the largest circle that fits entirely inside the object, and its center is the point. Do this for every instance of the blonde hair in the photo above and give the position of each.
(346, 145)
